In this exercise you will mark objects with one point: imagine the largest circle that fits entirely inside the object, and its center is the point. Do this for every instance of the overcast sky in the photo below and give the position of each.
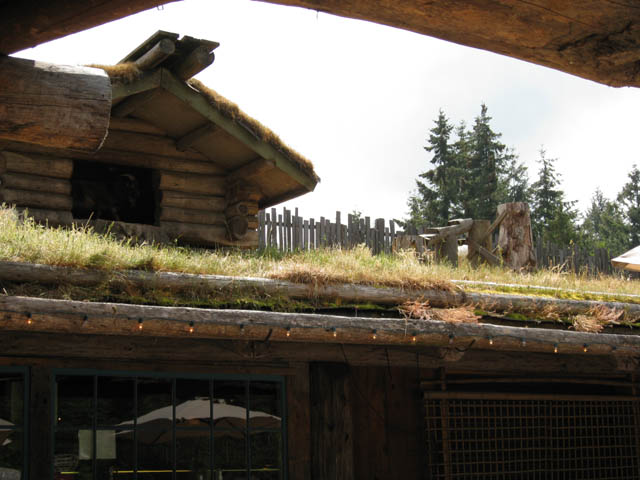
(358, 98)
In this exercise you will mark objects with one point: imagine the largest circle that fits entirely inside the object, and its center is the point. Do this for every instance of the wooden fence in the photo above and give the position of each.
(574, 259)
(287, 231)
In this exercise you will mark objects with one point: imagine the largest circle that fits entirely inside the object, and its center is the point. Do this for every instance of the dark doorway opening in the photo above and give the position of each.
(113, 192)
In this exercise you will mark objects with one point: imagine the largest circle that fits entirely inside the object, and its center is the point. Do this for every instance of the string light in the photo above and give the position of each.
(374, 334)
(288, 330)
(414, 337)
(585, 348)
(335, 332)
(191, 327)
(555, 348)
(140, 324)
(490, 340)
(29, 319)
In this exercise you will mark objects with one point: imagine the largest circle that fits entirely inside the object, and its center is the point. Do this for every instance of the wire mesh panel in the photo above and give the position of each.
(532, 439)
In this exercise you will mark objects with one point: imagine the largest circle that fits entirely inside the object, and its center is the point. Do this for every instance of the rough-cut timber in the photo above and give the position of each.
(53, 105)
(594, 39)
(516, 239)
(63, 316)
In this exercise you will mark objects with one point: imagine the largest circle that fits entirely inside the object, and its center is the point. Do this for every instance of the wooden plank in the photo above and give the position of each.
(134, 102)
(148, 81)
(34, 164)
(187, 215)
(442, 232)
(305, 240)
(148, 144)
(53, 105)
(28, 198)
(299, 423)
(338, 229)
(331, 422)
(23, 181)
(312, 234)
(184, 142)
(53, 218)
(192, 201)
(134, 125)
(190, 183)
(281, 241)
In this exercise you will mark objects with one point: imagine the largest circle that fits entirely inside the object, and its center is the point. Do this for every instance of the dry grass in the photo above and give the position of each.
(419, 310)
(596, 319)
(234, 113)
(82, 248)
(122, 72)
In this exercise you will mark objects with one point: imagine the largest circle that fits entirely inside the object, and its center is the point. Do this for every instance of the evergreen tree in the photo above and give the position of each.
(603, 226)
(436, 199)
(486, 164)
(629, 197)
(553, 218)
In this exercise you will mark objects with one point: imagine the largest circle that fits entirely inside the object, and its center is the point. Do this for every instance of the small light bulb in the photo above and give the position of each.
(490, 340)
(555, 348)
(335, 333)
(374, 335)
(139, 324)
(191, 329)
(288, 331)
(585, 348)
(29, 321)
(414, 338)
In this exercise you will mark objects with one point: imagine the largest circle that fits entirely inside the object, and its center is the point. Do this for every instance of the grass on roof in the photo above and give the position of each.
(80, 247)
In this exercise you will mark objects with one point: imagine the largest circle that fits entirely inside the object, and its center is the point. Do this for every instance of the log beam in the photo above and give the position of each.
(184, 142)
(199, 59)
(52, 105)
(64, 316)
(158, 53)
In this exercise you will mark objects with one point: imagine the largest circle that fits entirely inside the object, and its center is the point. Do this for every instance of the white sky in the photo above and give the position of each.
(359, 98)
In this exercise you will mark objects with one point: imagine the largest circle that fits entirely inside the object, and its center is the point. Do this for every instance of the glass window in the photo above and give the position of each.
(160, 427)
(12, 425)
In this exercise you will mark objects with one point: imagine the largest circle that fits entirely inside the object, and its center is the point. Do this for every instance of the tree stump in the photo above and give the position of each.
(516, 238)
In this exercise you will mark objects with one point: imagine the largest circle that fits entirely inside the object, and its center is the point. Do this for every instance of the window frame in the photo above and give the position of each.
(280, 380)
(25, 429)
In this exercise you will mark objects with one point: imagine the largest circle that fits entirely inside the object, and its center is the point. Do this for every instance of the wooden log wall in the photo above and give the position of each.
(40, 183)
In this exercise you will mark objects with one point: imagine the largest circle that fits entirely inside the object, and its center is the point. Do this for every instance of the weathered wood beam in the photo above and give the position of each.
(35, 164)
(37, 199)
(28, 23)
(134, 102)
(63, 316)
(137, 351)
(36, 183)
(156, 55)
(254, 168)
(208, 235)
(135, 125)
(192, 201)
(148, 144)
(187, 215)
(192, 183)
(46, 216)
(442, 232)
(348, 293)
(184, 142)
(53, 105)
(199, 59)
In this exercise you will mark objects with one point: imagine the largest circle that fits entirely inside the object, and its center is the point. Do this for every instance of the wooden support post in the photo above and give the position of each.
(299, 423)
(478, 237)
(515, 238)
(41, 396)
(331, 422)
(54, 106)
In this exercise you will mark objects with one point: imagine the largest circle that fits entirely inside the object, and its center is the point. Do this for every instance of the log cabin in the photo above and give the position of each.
(178, 162)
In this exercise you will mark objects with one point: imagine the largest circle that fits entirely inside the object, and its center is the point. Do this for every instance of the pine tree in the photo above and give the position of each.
(436, 199)
(553, 218)
(486, 165)
(629, 197)
(603, 226)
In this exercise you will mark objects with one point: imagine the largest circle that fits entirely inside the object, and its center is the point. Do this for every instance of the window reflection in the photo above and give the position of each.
(11, 426)
(167, 428)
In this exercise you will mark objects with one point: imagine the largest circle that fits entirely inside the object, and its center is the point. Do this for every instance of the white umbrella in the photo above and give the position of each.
(156, 426)
(629, 260)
